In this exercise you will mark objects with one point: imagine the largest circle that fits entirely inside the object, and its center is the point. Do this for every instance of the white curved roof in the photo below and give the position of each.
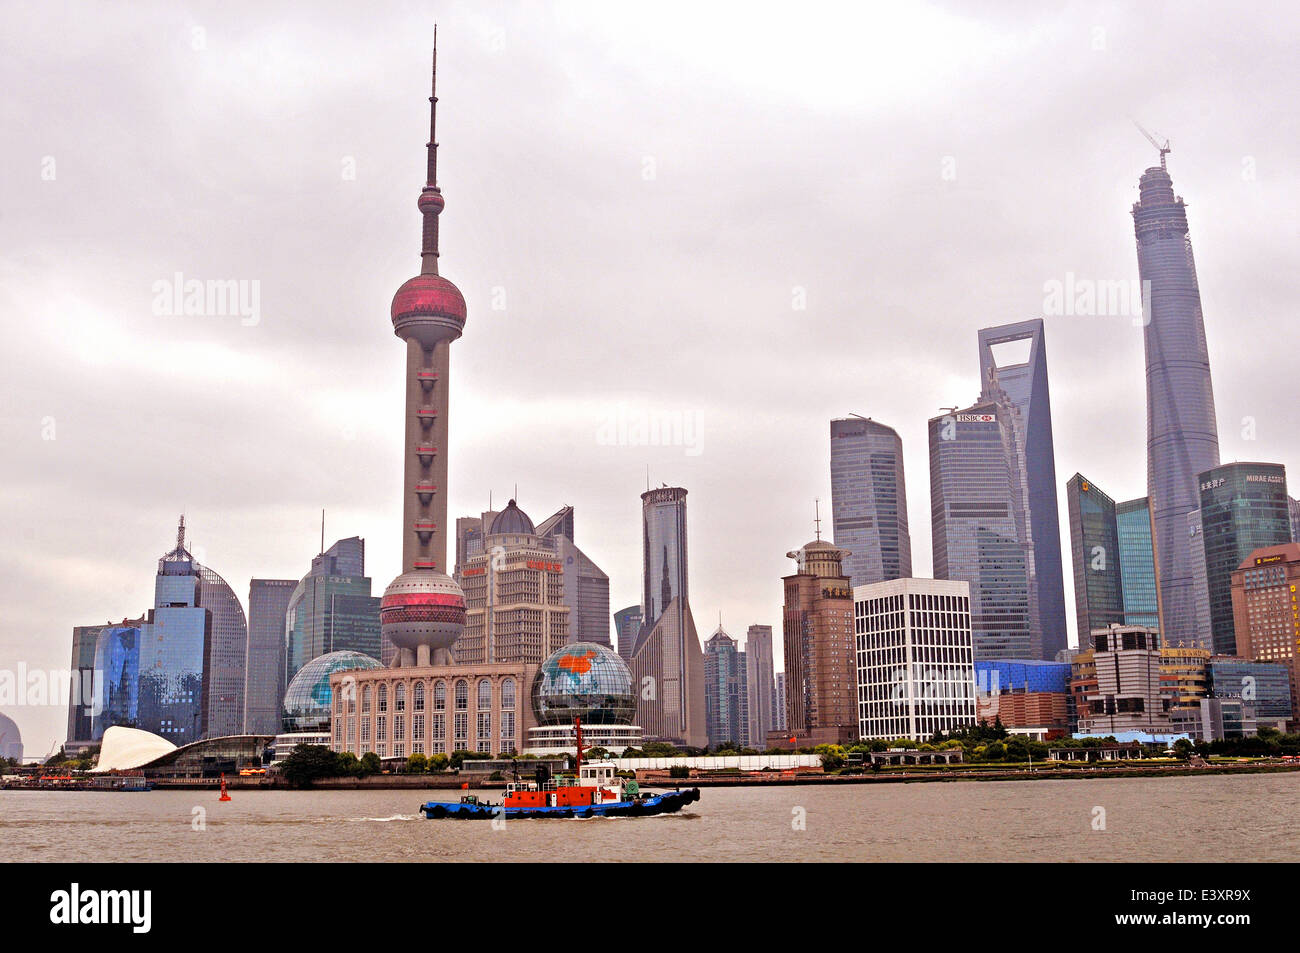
(125, 748)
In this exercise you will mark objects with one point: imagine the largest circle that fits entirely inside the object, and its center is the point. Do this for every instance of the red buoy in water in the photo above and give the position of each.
(224, 795)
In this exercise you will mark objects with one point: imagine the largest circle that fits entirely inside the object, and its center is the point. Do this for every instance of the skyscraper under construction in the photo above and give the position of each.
(1182, 434)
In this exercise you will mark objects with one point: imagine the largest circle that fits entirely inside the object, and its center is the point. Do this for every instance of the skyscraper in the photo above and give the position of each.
(85, 639)
(586, 586)
(1266, 609)
(914, 658)
(627, 624)
(175, 643)
(1013, 372)
(726, 690)
(978, 527)
(1094, 541)
(331, 609)
(663, 523)
(667, 650)
(1243, 508)
(761, 684)
(227, 652)
(1293, 505)
(869, 500)
(817, 631)
(423, 609)
(264, 680)
(1200, 631)
(514, 595)
(1182, 433)
(117, 660)
(1137, 566)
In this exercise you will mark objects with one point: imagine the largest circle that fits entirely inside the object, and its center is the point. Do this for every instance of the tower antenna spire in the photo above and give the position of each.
(817, 517)
(431, 201)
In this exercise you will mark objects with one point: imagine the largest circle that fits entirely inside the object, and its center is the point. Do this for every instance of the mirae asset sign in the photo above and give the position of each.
(98, 907)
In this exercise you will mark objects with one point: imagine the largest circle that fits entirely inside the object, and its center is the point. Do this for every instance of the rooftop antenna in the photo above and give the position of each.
(322, 531)
(1164, 149)
(817, 517)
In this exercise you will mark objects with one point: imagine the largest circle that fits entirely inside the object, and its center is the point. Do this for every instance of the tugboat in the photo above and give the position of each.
(595, 791)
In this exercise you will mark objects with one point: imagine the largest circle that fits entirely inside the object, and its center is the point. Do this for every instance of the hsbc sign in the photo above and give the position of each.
(976, 418)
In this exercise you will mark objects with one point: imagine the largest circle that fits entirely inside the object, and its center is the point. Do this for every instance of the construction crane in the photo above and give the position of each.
(1164, 149)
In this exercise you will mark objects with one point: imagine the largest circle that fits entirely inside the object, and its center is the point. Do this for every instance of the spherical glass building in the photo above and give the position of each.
(307, 700)
(584, 680)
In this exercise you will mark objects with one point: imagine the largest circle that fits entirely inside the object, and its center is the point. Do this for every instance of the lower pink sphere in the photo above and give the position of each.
(422, 607)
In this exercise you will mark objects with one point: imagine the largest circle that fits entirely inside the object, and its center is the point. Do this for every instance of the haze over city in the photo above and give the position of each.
(748, 224)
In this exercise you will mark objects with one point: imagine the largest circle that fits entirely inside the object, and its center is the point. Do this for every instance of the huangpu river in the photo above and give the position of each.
(1247, 818)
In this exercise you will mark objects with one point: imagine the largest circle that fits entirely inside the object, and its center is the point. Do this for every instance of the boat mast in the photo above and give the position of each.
(577, 767)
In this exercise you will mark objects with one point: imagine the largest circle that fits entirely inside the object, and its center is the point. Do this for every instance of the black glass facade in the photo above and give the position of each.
(1094, 540)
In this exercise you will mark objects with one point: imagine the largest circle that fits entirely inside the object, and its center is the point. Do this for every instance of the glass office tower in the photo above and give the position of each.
(726, 690)
(1243, 508)
(83, 686)
(331, 609)
(978, 526)
(1137, 565)
(117, 659)
(1182, 432)
(1094, 541)
(1013, 371)
(227, 654)
(264, 681)
(174, 646)
(869, 500)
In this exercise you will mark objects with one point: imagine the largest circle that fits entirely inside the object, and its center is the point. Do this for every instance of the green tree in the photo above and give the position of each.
(370, 764)
(348, 764)
(307, 763)
(996, 751)
(1183, 749)
(439, 762)
(832, 756)
(417, 764)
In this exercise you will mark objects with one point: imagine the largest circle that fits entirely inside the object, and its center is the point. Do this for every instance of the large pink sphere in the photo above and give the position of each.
(422, 607)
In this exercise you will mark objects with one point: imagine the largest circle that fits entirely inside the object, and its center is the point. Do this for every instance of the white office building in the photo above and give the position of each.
(915, 656)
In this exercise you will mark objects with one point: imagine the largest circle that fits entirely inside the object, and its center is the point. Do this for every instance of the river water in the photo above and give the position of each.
(1247, 818)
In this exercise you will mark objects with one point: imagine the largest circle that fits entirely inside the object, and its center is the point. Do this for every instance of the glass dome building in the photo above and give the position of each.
(584, 680)
(307, 700)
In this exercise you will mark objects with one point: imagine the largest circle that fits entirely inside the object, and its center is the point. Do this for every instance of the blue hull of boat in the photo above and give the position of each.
(667, 803)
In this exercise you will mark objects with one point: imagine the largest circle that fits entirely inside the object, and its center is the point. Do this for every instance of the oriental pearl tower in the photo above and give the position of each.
(423, 609)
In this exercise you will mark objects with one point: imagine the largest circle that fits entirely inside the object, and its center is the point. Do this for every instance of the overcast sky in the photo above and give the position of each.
(750, 219)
